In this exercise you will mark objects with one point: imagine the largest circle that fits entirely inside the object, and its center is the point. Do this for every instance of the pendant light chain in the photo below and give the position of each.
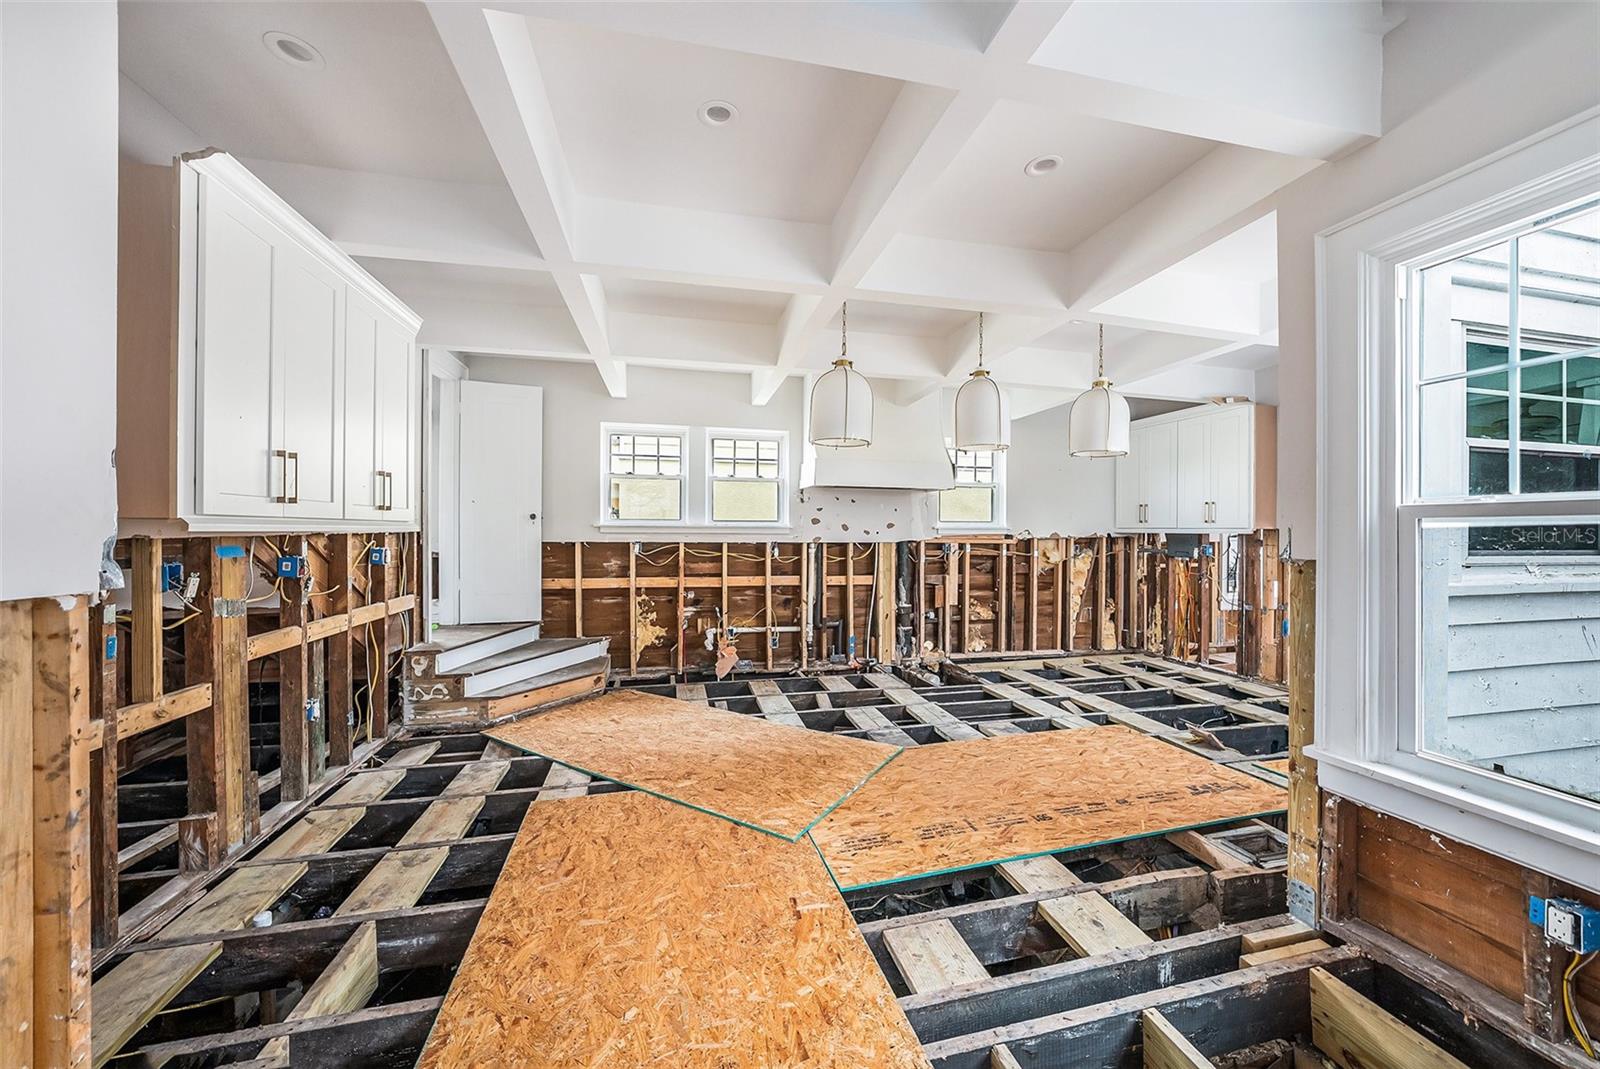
(844, 330)
(980, 339)
(1100, 361)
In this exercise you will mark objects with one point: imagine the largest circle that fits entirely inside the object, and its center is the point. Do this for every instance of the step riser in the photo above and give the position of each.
(448, 661)
(483, 683)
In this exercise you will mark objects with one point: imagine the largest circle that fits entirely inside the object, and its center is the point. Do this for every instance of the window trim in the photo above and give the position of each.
(1365, 400)
(682, 434)
(711, 478)
(997, 487)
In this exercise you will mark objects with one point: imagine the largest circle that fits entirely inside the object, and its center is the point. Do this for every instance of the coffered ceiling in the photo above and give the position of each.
(539, 179)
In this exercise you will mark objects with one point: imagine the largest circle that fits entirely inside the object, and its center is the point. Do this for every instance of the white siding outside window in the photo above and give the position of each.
(1458, 682)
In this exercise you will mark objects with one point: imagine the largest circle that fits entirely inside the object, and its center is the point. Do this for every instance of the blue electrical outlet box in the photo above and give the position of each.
(291, 567)
(111, 647)
(1568, 923)
(172, 575)
(379, 555)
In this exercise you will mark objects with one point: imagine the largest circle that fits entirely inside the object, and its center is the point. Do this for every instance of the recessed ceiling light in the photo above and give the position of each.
(1041, 165)
(292, 50)
(718, 113)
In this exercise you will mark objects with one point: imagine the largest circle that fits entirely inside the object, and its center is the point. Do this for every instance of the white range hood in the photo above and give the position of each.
(907, 452)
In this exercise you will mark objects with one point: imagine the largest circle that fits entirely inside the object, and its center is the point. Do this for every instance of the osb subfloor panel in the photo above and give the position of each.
(771, 777)
(625, 931)
(959, 805)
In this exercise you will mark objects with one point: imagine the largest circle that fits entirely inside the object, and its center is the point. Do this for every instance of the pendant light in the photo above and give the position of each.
(981, 421)
(1098, 425)
(841, 400)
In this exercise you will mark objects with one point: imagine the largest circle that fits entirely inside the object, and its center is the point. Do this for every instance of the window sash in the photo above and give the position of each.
(741, 448)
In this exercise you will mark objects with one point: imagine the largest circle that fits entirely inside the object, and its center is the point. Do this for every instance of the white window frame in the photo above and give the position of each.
(782, 438)
(998, 486)
(1367, 636)
(682, 434)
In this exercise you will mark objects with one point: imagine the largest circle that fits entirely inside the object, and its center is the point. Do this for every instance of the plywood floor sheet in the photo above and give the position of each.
(959, 805)
(771, 777)
(625, 931)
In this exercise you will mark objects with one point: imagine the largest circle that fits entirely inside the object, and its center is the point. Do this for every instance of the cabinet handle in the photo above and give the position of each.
(294, 499)
(382, 488)
(283, 455)
(388, 491)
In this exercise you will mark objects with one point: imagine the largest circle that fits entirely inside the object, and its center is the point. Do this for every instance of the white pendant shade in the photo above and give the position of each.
(1098, 425)
(841, 407)
(982, 420)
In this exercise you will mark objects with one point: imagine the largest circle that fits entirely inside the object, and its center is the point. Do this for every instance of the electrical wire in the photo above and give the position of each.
(1574, 1018)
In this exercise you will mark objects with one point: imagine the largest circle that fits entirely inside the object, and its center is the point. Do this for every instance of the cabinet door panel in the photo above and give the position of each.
(1159, 477)
(1192, 488)
(361, 464)
(240, 415)
(1230, 459)
(307, 319)
(397, 417)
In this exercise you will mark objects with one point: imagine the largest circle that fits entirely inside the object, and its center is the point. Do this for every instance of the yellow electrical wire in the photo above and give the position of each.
(1575, 1022)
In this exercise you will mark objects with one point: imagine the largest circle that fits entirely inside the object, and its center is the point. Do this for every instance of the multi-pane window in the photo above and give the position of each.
(973, 498)
(1500, 504)
(644, 476)
(746, 478)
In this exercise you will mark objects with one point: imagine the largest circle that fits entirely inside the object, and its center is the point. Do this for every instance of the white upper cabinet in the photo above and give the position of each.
(382, 375)
(285, 377)
(1200, 470)
(238, 475)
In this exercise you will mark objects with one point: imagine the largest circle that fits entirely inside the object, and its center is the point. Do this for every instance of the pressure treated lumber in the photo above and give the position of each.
(1167, 1048)
(133, 992)
(1357, 1033)
(1278, 953)
(933, 956)
(349, 981)
(1090, 924)
(961, 805)
(747, 769)
(628, 931)
(1283, 935)
(126, 998)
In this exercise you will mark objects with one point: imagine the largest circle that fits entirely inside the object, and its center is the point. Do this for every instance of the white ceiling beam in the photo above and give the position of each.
(369, 214)
(633, 240)
(920, 138)
(494, 58)
(1236, 98)
(1221, 192)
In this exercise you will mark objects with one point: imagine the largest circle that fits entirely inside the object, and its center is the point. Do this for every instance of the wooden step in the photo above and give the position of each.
(507, 668)
(451, 647)
(519, 699)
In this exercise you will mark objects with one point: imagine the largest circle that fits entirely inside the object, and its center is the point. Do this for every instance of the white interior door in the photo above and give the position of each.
(501, 488)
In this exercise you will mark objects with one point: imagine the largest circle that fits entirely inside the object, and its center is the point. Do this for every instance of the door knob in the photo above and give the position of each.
(533, 516)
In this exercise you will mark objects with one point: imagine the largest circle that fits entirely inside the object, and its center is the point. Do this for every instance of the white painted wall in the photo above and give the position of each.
(576, 403)
(1461, 80)
(1051, 491)
(58, 294)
